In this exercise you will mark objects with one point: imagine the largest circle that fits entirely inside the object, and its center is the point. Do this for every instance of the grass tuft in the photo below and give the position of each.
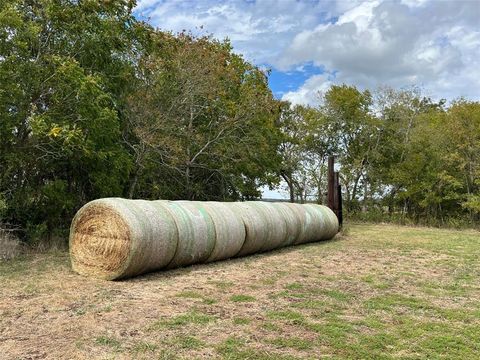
(193, 317)
(108, 341)
(293, 343)
(242, 298)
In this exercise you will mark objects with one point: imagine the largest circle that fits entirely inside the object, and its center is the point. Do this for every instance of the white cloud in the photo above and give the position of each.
(145, 4)
(258, 29)
(434, 44)
(309, 92)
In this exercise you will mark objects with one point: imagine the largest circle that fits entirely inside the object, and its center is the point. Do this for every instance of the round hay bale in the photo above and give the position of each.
(305, 223)
(116, 238)
(330, 222)
(196, 233)
(255, 224)
(229, 230)
(150, 246)
(275, 223)
(317, 222)
(292, 221)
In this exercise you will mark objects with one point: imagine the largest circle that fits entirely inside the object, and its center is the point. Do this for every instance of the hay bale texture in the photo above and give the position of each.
(116, 238)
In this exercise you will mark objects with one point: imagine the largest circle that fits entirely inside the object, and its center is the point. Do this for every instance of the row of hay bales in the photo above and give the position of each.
(116, 238)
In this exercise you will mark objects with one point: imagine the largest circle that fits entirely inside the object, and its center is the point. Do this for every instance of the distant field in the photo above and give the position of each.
(379, 291)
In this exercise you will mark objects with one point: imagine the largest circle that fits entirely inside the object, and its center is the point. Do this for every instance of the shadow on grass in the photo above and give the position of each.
(232, 261)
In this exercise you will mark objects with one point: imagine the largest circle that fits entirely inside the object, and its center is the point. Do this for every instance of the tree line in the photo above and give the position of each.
(403, 157)
(96, 103)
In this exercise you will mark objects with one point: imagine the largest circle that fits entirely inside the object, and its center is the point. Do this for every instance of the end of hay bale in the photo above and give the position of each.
(100, 241)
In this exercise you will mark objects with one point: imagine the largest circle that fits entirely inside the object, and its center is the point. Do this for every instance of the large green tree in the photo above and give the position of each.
(203, 120)
(461, 155)
(64, 66)
(348, 116)
(307, 140)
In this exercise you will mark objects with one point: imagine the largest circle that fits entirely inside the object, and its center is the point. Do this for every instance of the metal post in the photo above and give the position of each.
(338, 199)
(335, 193)
(331, 180)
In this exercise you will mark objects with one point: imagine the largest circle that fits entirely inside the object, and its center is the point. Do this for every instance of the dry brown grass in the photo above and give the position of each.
(10, 246)
(381, 291)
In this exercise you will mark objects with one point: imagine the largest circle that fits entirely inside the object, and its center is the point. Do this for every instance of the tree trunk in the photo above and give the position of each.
(133, 185)
(291, 187)
(188, 188)
(355, 186)
(365, 195)
(348, 198)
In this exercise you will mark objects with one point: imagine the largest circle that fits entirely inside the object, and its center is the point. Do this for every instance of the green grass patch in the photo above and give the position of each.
(235, 348)
(312, 305)
(193, 317)
(337, 295)
(188, 342)
(289, 316)
(241, 321)
(144, 347)
(391, 302)
(333, 329)
(223, 285)
(271, 326)
(289, 294)
(230, 345)
(195, 295)
(108, 341)
(294, 286)
(209, 301)
(292, 342)
(242, 298)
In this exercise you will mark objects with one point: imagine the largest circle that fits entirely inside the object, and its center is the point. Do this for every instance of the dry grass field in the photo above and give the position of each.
(376, 292)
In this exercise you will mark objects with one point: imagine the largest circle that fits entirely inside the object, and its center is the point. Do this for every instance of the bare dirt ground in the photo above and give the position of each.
(378, 291)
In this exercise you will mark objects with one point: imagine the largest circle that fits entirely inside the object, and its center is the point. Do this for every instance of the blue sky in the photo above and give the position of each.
(282, 82)
(310, 45)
